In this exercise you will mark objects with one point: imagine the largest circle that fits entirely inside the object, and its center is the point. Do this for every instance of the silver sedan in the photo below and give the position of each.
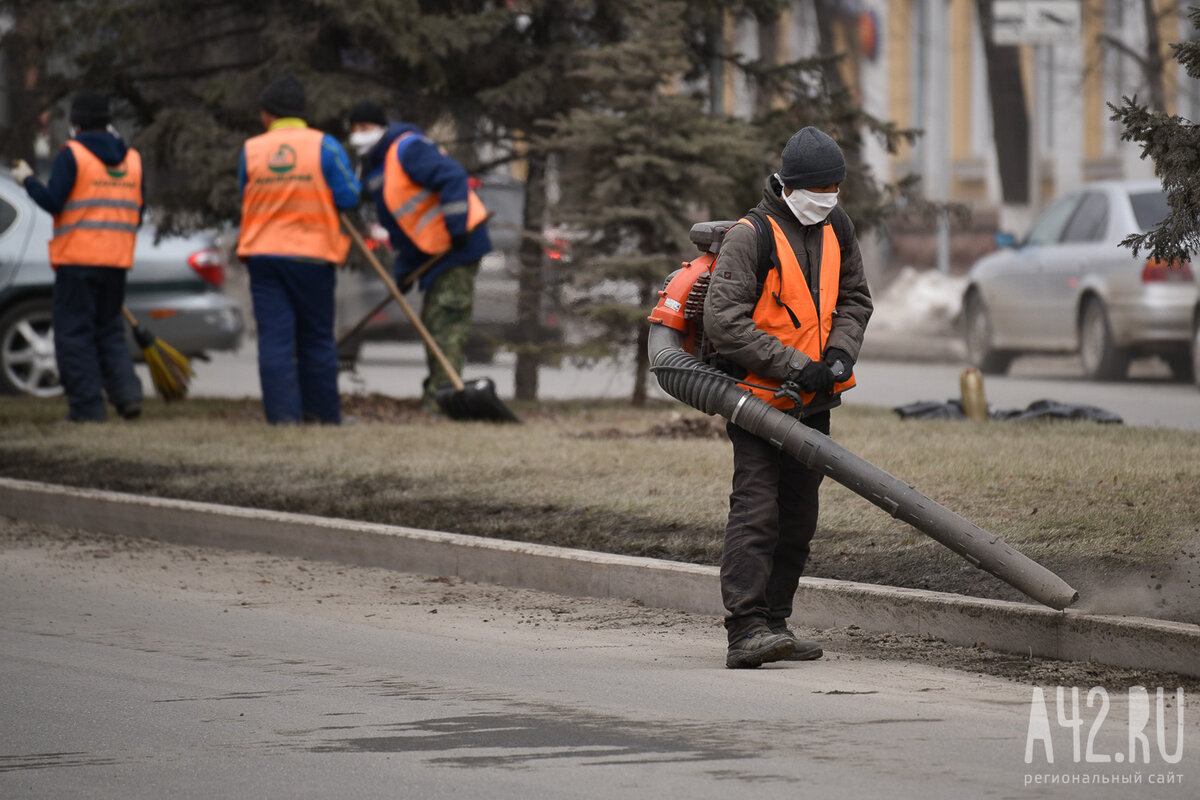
(173, 289)
(1070, 287)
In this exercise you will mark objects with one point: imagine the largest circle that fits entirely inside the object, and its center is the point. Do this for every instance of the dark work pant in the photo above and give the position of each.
(297, 352)
(772, 519)
(89, 341)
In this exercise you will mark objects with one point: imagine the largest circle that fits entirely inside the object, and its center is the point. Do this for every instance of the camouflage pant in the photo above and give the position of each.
(446, 312)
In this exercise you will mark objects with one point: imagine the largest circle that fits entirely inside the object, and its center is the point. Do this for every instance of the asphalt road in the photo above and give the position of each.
(133, 669)
(1148, 398)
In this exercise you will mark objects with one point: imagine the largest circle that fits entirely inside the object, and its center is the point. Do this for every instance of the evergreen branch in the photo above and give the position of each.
(198, 72)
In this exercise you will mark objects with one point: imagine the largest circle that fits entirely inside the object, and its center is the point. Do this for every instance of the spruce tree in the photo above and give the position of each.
(1173, 144)
(641, 158)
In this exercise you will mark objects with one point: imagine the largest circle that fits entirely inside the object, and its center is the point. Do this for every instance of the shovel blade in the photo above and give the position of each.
(477, 400)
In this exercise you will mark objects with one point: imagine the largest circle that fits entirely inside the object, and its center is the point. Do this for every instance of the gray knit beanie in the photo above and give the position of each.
(811, 159)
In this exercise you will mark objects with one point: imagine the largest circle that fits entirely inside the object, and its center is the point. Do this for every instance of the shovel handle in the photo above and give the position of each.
(394, 290)
(412, 278)
(362, 323)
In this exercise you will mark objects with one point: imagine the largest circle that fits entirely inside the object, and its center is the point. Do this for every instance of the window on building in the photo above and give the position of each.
(1115, 78)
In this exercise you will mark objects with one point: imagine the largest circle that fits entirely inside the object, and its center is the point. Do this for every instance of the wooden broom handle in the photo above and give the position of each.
(398, 296)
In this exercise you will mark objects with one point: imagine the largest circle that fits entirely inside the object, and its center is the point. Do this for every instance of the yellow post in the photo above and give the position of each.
(974, 401)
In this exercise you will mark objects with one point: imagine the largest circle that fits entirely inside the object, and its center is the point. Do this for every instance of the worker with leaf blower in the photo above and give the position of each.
(96, 193)
(426, 205)
(786, 309)
(293, 180)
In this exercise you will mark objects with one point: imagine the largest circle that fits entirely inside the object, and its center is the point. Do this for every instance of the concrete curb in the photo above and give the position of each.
(1013, 627)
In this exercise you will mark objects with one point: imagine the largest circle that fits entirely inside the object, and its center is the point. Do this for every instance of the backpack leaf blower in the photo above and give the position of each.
(676, 339)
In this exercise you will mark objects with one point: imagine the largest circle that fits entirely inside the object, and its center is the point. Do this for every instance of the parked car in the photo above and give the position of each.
(494, 313)
(1070, 287)
(173, 289)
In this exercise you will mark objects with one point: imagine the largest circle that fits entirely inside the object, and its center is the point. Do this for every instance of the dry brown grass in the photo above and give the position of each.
(593, 475)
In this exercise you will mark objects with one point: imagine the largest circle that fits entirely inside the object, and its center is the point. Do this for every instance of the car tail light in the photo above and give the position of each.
(209, 264)
(1157, 271)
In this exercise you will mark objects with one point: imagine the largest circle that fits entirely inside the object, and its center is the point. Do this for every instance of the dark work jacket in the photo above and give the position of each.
(53, 196)
(432, 169)
(734, 292)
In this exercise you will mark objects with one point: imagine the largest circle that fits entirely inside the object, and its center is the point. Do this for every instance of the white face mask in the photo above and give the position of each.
(810, 208)
(363, 141)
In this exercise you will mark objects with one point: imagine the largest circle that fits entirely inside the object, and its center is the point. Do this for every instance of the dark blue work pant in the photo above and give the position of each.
(297, 353)
(89, 341)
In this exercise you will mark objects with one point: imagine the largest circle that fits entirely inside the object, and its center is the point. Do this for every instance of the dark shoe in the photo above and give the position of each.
(805, 650)
(130, 410)
(759, 648)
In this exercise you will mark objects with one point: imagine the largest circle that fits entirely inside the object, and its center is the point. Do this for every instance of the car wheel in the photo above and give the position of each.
(1196, 350)
(27, 364)
(1102, 360)
(978, 338)
(1182, 368)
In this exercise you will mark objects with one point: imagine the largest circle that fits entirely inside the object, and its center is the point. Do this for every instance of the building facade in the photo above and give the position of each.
(925, 64)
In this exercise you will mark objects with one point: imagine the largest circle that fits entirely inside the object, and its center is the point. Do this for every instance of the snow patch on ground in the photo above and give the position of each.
(919, 301)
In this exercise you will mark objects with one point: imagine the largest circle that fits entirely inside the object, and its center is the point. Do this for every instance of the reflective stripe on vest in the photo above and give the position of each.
(287, 207)
(99, 221)
(786, 309)
(416, 209)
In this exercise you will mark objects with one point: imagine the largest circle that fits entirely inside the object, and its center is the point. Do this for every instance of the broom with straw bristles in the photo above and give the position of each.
(169, 369)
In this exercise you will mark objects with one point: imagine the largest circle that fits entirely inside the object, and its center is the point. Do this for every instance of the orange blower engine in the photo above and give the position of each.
(681, 301)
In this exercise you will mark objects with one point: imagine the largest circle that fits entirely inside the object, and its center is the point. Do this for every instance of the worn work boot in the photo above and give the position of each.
(805, 650)
(759, 648)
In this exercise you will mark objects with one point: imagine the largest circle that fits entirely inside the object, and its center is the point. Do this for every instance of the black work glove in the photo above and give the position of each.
(406, 282)
(817, 377)
(840, 363)
(459, 240)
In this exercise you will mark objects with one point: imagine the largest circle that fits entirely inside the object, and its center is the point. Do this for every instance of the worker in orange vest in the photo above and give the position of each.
(424, 199)
(293, 180)
(96, 193)
(786, 309)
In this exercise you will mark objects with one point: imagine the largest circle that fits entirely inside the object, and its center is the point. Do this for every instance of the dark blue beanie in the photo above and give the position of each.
(283, 98)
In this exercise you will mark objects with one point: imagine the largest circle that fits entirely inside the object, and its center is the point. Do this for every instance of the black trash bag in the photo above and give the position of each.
(1040, 409)
(1052, 409)
(931, 409)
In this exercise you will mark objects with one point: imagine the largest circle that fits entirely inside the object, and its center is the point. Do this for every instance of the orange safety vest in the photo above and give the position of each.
(98, 224)
(287, 207)
(417, 210)
(805, 328)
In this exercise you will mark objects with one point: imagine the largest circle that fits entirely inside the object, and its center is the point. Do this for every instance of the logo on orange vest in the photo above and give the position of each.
(282, 160)
(117, 171)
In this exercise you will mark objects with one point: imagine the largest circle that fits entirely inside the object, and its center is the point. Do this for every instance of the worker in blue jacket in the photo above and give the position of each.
(96, 194)
(293, 181)
(427, 207)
